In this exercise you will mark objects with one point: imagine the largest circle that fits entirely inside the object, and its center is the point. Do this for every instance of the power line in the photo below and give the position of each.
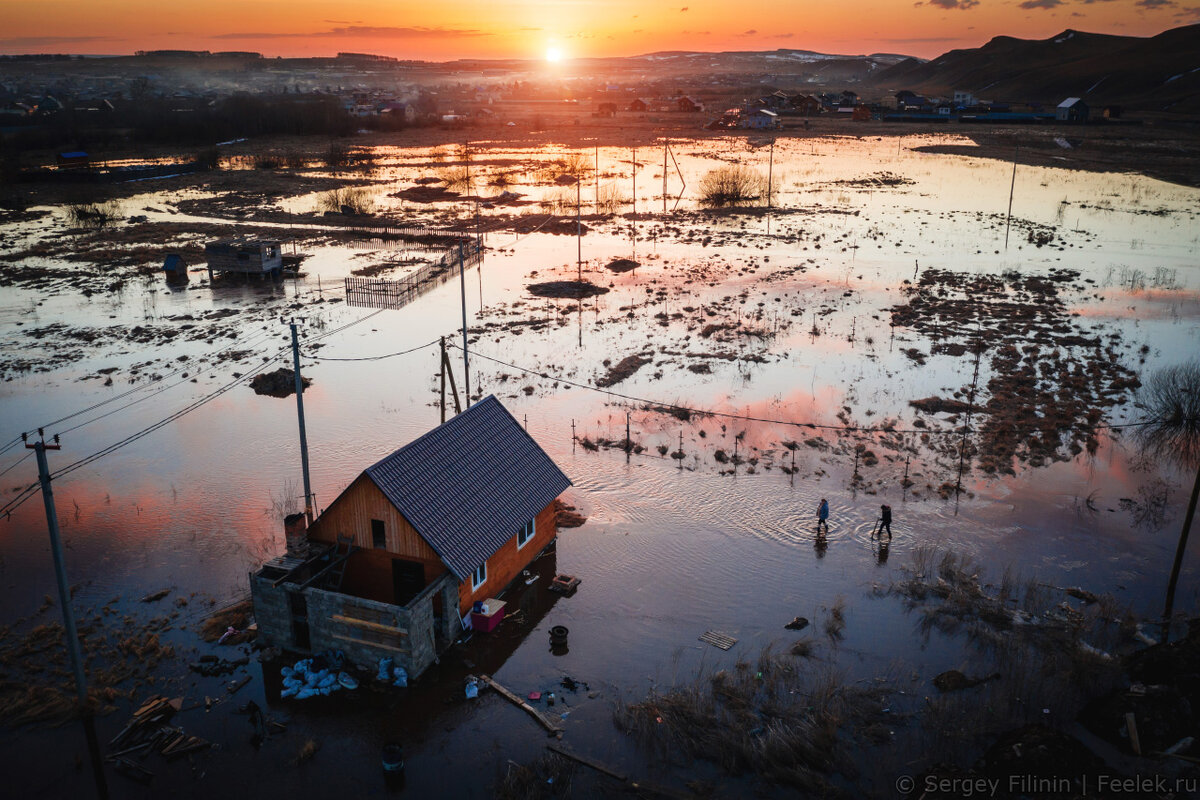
(254, 341)
(83, 462)
(374, 358)
(814, 425)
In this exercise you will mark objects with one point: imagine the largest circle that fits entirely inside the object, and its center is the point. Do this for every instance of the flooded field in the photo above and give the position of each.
(882, 333)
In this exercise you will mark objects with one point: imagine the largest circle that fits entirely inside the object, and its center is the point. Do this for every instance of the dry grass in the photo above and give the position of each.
(771, 719)
(547, 777)
(732, 185)
(308, 751)
(94, 215)
(236, 616)
(348, 201)
(1052, 655)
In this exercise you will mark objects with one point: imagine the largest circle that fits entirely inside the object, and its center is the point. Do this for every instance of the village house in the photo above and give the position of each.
(251, 257)
(687, 105)
(638, 104)
(759, 118)
(1071, 110)
(395, 565)
(806, 105)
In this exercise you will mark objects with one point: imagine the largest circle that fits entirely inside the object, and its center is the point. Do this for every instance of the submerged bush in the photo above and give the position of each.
(346, 201)
(731, 185)
(94, 215)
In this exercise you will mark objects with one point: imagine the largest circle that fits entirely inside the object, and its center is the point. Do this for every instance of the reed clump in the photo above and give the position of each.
(772, 719)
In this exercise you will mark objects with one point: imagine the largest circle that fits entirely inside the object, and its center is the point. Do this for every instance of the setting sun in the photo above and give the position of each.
(554, 55)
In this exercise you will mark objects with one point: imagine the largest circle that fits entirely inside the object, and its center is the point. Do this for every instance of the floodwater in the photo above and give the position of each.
(673, 547)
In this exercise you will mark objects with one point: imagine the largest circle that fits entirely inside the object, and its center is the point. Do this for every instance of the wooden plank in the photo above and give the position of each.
(717, 639)
(587, 762)
(374, 626)
(353, 640)
(533, 712)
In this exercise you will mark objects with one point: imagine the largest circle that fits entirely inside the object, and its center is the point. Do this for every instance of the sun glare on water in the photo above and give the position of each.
(554, 55)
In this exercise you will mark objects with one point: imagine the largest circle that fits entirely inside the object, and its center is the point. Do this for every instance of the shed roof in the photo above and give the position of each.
(1070, 101)
(469, 484)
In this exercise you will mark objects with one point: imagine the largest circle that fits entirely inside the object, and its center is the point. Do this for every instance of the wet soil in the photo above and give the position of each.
(1047, 381)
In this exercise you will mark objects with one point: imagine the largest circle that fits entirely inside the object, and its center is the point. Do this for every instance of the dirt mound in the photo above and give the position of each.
(622, 370)
(571, 290)
(937, 405)
(623, 265)
(426, 194)
(280, 383)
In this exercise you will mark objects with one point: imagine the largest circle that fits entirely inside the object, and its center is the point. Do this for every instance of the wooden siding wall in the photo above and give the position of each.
(370, 573)
(508, 561)
(351, 515)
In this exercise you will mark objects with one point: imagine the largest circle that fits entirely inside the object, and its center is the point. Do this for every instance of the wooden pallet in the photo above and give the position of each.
(718, 639)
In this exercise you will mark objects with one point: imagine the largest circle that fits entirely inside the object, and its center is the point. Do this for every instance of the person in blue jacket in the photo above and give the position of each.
(823, 515)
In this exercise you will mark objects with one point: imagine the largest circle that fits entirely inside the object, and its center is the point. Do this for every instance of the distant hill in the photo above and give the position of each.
(1159, 73)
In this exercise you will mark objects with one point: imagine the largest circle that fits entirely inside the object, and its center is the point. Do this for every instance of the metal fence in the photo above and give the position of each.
(393, 294)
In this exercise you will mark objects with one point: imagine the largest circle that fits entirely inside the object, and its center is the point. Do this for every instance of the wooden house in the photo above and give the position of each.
(638, 104)
(687, 105)
(253, 257)
(395, 564)
(806, 105)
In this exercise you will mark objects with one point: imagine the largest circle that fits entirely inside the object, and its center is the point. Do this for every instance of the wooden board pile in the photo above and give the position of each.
(148, 732)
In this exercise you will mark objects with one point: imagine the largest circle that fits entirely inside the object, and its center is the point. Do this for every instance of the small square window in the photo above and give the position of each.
(525, 534)
(378, 535)
(479, 576)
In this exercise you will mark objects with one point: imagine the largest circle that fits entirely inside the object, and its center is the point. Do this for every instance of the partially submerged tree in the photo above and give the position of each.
(1171, 398)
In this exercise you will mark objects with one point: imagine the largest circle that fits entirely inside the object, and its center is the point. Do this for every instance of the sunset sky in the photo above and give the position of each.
(452, 29)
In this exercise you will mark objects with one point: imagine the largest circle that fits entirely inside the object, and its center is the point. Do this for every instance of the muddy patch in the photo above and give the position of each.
(566, 290)
(1042, 380)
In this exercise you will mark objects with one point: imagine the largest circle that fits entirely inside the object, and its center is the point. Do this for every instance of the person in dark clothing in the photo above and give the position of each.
(886, 521)
(822, 515)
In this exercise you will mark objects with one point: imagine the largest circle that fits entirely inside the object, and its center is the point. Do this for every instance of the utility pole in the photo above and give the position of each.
(579, 224)
(1012, 187)
(597, 179)
(770, 172)
(628, 443)
(442, 375)
(462, 281)
(60, 570)
(635, 183)
(664, 176)
(308, 509)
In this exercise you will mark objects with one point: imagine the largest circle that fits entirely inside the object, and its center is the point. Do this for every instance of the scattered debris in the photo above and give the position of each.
(548, 724)
(797, 624)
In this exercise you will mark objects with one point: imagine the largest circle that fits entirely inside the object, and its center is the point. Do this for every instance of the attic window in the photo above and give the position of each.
(525, 534)
(378, 535)
(479, 576)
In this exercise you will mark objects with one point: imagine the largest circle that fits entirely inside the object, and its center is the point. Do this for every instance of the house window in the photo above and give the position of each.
(525, 534)
(378, 536)
(479, 576)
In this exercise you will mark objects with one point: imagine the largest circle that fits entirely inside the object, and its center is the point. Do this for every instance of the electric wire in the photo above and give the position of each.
(729, 415)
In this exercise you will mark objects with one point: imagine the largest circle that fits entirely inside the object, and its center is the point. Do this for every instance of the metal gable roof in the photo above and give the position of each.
(469, 484)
